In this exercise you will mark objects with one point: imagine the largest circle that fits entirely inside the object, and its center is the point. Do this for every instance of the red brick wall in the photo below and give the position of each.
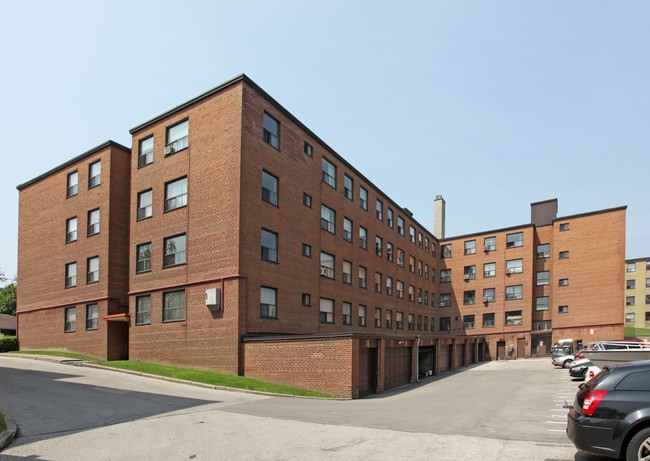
(321, 364)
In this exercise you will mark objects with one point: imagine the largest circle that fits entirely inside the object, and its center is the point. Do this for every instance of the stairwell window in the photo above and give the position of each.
(269, 188)
(177, 137)
(174, 251)
(94, 174)
(271, 134)
(145, 208)
(176, 194)
(72, 184)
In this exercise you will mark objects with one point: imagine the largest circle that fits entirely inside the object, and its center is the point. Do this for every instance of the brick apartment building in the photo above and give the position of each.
(234, 239)
(637, 294)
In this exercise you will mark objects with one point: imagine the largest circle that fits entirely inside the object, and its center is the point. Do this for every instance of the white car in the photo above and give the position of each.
(591, 372)
(564, 361)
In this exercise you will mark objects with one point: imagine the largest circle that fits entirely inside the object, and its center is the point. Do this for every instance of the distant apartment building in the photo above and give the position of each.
(229, 237)
(637, 293)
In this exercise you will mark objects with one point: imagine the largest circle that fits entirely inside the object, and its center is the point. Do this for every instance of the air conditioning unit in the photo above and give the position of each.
(442, 304)
(466, 277)
(213, 299)
(323, 271)
(486, 299)
(510, 270)
(169, 150)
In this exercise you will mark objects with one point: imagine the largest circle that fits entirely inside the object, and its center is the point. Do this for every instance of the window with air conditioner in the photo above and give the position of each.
(145, 208)
(177, 137)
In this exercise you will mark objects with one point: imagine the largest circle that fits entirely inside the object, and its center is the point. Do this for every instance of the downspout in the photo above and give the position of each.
(417, 359)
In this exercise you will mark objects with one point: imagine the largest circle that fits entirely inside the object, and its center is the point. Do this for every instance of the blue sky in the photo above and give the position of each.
(493, 104)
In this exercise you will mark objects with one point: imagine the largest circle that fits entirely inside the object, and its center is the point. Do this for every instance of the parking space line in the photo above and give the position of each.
(555, 422)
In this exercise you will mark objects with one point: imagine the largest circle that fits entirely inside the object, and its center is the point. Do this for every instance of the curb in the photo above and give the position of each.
(8, 435)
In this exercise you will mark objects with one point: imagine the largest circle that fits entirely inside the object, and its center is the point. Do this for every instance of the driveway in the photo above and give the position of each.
(491, 411)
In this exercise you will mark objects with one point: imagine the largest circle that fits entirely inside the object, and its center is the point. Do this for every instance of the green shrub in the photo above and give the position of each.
(8, 343)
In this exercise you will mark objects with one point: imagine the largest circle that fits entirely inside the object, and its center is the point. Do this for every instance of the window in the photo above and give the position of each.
(488, 320)
(174, 306)
(513, 318)
(412, 263)
(400, 257)
(488, 295)
(93, 222)
(433, 275)
(327, 219)
(469, 273)
(92, 269)
(515, 240)
(306, 199)
(347, 272)
(399, 320)
(420, 268)
(378, 282)
(420, 295)
(489, 270)
(379, 246)
(143, 310)
(70, 319)
(377, 317)
(426, 323)
(445, 324)
(445, 251)
(411, 293)
(412, 234)
(542, 325)
(514, 266)
(647, 265)
(564, 227)
(389, 319)
(329, 173)
(629, 317)
(647, 299)
(411, 322)
(143, 258)
(73, 184)
(426, 244)
(379, 210)
(489, 244)
(145, 151)
(94, 174)
(445, 276)
(564, 255)
(144, 204)
(269, 188)
(306, 250)
(389, 252)
(563, 309)
(630, 284)
(419, 323)
(390, 218)
(306, 300)
(514, 292)
(347, 313)
(542, 278)
(174, 251)
(269, 246)
(268, 303)
(176, 194)
(400, 225)
(363, 238)
(470, 247)
(327, 265)
(629, 300)
(92, 316)
(420, 239)
(564, 282)
(348, 187)
(271, 133)
(176, 138)
(445, 300)
(363, 198)
(363, 277)
(426, 271)
(631, 267)
(468, 322)
(70, 230)
(389, 286)
(326, 310)
(400, 289)
(71, 275)
(469, 297)
(347, 230)
(308, 149)
(362, 316)
(647, 316)
(541, 303)
(543, 251)
(647, 283)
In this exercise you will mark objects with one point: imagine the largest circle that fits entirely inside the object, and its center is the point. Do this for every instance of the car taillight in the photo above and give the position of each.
(592, 401)
(580, 356)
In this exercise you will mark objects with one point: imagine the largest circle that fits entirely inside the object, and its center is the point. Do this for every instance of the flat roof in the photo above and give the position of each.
(74, 160)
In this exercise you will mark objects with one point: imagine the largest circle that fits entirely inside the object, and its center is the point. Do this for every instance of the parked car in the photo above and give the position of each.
(564, 361)
(579, 368)
(611, 413)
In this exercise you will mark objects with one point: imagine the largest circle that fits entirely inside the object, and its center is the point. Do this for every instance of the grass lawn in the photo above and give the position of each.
(87, 358)
(3, 425)
(210, 377)
(631, 332)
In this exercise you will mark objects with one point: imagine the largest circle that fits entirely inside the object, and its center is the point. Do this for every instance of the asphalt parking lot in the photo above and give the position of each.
(491, 411)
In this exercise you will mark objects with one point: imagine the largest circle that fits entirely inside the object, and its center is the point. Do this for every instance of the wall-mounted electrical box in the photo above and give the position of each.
(213, 299)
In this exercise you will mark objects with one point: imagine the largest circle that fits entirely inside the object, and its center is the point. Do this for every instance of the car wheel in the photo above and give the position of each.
(584, 373)
(566, 363)
(639, 447)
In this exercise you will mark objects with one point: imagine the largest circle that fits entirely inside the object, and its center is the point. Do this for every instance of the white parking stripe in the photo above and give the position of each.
(555, 422)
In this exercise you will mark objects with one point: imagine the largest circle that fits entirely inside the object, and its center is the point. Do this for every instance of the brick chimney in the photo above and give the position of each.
(439, 217)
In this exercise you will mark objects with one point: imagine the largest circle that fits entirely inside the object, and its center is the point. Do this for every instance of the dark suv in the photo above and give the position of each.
(611, 413)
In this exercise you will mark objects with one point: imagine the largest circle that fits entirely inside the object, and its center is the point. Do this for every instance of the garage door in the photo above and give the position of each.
(460, 355)
(443, 356)
(367, 371)
(398, 366)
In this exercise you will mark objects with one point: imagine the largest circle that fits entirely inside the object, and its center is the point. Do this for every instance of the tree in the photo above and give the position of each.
(8, 299)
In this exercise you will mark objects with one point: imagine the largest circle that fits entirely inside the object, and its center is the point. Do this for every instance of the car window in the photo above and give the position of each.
(639, 381)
